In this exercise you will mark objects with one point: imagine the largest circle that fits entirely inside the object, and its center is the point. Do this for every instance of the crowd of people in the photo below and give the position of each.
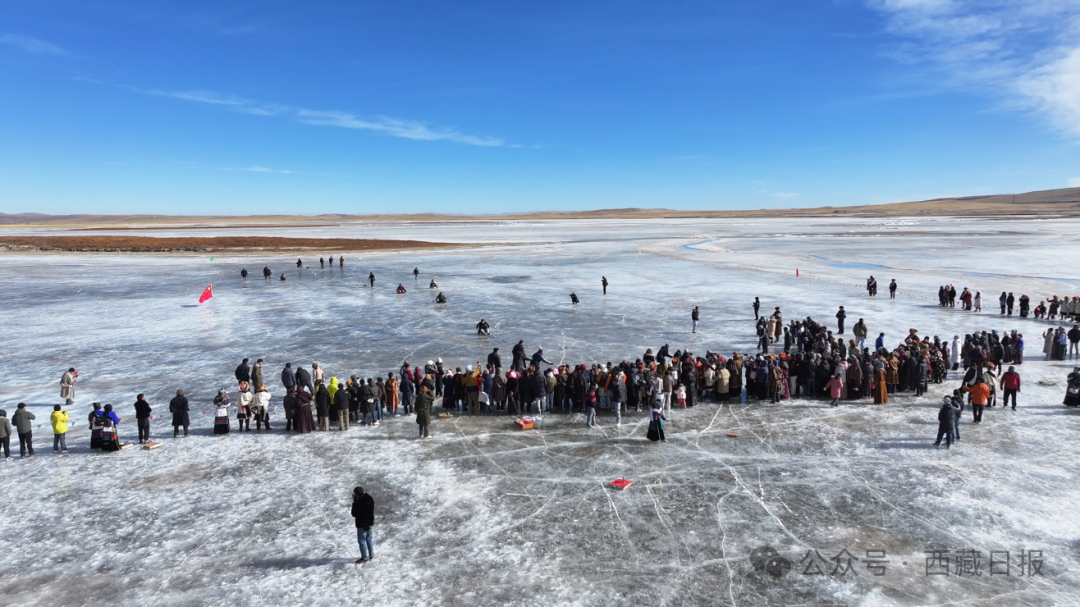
(802, 359)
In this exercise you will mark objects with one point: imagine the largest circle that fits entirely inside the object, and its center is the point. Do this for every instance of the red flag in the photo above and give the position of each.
(796, 273)
(207, 294)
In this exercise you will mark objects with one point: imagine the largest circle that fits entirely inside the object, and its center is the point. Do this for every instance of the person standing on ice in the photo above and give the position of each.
(260, 406)
(22, 422)
(67, 386)
(424, 401)
(243, 372)
(244, 397)
(604, 283)
(322, 263)
(860, 330)
(178, 406)
(142, 418)
(946, 422)
(892, 289)
(257, 374)
(574, 298)
(221, 414)
(840, 316)
(243, 273)
(299, 264)
(371, 279)
(757, 307)
(519, 355)
(5, 434)
(363, 510)
(288, 377)
(695, 316)
(416, 273)
(835, 388)
(341, 261)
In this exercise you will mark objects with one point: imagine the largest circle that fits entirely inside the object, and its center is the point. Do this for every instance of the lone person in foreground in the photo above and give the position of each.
(363, 510)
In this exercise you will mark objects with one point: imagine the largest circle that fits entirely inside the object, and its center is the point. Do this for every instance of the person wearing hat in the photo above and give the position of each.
(21, 420)
(471, 381)
(840, 316)
(257, 374)
(221, 414)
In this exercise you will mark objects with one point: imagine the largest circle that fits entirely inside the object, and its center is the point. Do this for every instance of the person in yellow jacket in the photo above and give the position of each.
(471, 381)
(333, 388)
(59, 421)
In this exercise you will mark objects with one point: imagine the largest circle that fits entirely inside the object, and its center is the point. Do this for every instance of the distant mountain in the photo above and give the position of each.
(1044, 203)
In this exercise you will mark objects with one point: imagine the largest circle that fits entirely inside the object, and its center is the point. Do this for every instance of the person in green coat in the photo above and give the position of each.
(5, 434)
(424, 400)
(21, 420)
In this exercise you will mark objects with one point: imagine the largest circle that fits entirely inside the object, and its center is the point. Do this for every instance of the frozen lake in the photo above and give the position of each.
(483, 514)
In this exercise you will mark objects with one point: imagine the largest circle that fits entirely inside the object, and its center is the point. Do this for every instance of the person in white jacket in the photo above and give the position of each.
(244, 398)
(260, 407)
(954, 352)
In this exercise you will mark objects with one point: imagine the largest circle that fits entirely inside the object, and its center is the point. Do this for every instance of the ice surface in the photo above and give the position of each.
(484, 514)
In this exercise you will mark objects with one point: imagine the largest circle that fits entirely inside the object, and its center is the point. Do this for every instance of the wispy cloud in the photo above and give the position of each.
(254, 169)
(1074, 182)
(384, 125)
(31, 45)
(1025, 51)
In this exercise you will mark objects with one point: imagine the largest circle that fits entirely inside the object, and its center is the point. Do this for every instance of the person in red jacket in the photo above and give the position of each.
(1010, 382)
(979, 393)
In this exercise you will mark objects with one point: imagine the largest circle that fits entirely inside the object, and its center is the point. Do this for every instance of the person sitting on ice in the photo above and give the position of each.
(400, 289)
(433, 285)
(574, 299)
(283, 276)
(440, 298)
(482, 328)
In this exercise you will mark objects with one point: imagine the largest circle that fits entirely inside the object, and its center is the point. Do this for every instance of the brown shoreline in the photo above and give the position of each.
(219, 244)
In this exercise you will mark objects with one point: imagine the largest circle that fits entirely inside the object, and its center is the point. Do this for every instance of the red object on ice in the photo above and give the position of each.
(524, 424)
(207, 294)
(732, 434)
(796, 272)
(621, 483)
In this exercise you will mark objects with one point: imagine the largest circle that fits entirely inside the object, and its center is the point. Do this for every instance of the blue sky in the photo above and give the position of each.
(493, 107)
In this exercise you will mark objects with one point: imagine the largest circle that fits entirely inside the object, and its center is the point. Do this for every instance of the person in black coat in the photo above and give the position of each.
(946, 420)
(363, 510)
(408, 390)
(142, 415)
(322, 407)
(303, 378)
(340, 409)
(178, 406)
(840, 316)
(519, 356)
(495, 360)
(243, 372)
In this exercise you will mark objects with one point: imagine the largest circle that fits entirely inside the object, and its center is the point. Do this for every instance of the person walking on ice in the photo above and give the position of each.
(363, 510)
